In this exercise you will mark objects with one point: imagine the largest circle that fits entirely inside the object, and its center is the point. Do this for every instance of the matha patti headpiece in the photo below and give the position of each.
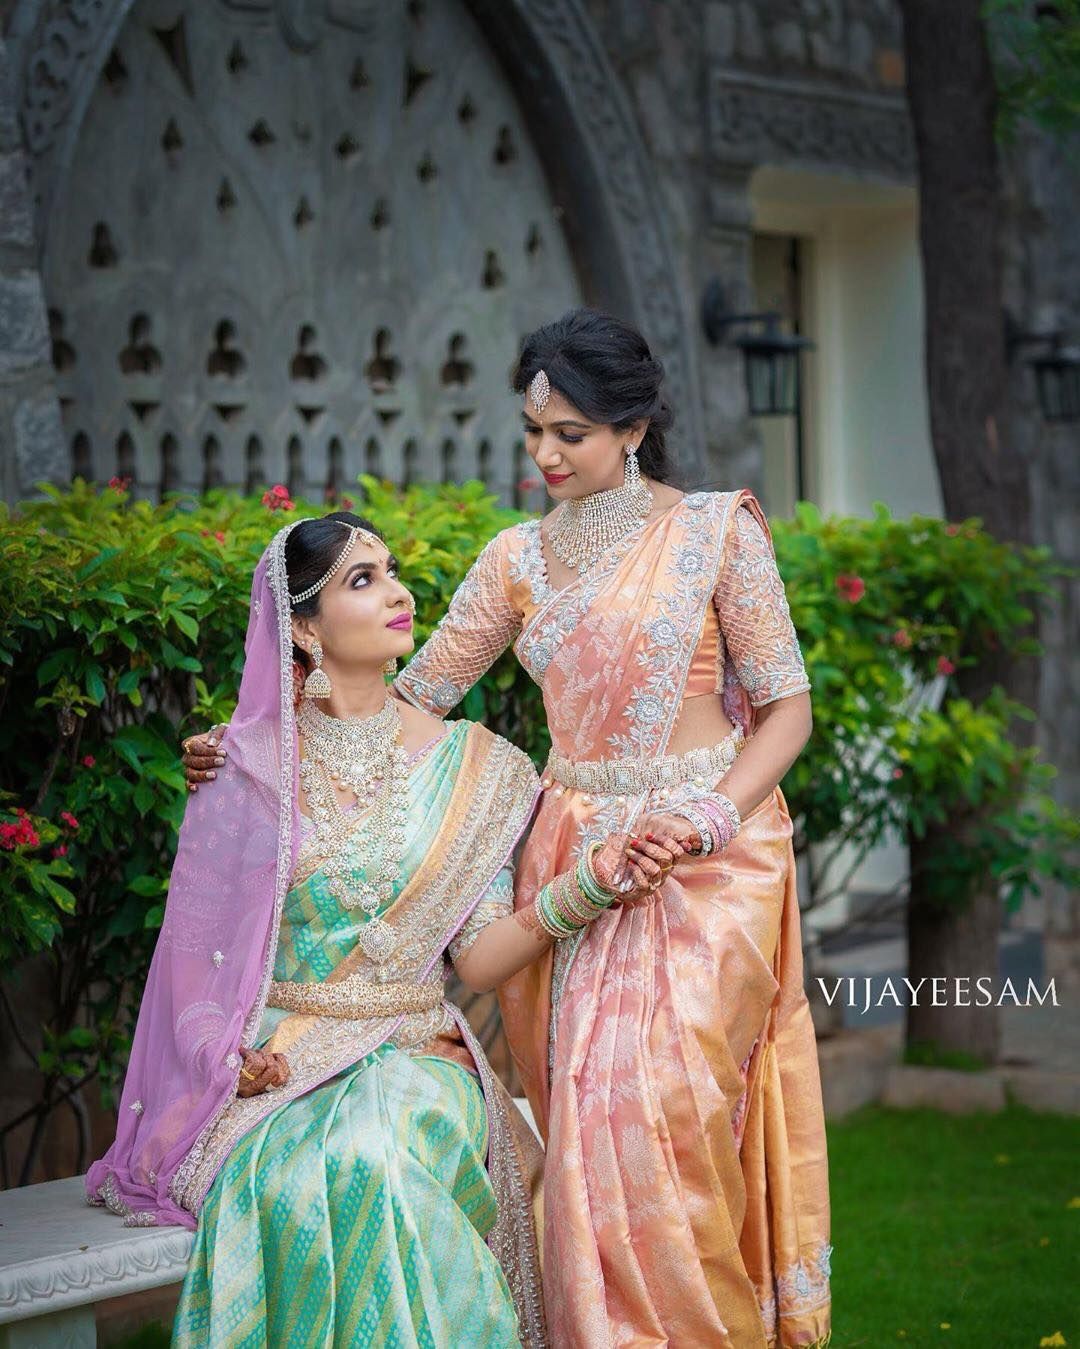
(355, 532)
(540, 390)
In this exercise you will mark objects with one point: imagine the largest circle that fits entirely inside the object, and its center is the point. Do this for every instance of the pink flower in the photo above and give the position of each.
(851, 588)
(219, 535)
(70, 820)
(120, 484)
(60, 850)
(21, 812)
(88, 761)
(8, 835)
(347, 503)
(952, 530)
(898, 772)
(902, 638)
(204, 533)
(945, 666)
(528, 484)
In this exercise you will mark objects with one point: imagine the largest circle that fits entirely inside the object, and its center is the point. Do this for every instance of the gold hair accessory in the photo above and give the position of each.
(540, 390)
(355, 532)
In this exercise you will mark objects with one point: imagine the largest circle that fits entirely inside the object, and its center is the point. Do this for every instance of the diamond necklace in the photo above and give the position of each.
(364, 755)
(588, 526)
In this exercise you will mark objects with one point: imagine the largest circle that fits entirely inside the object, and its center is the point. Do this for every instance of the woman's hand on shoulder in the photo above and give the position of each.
(202, 756)
(261, 1071)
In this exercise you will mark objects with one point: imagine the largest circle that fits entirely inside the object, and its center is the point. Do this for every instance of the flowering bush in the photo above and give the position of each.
(122, 627)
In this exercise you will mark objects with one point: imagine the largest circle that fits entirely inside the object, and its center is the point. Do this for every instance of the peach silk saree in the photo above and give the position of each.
(668, 1053)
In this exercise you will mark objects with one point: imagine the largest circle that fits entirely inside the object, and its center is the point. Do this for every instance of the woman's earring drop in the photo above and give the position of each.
(631, 470)
(317, 684)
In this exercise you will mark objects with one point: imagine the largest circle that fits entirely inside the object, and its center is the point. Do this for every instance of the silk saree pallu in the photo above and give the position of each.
(668, 1053)
(383, 1197)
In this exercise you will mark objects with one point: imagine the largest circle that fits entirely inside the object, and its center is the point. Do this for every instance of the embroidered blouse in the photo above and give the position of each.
(749, 620)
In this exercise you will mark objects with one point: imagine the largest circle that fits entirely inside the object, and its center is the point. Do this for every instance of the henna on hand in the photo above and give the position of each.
(202, 755)
(528, 920)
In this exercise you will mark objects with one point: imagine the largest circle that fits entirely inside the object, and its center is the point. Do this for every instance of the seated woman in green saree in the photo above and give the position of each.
(299, 1083)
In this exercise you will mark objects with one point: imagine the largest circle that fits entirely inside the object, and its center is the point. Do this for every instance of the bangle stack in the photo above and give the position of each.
(715, 817)
(573, 899)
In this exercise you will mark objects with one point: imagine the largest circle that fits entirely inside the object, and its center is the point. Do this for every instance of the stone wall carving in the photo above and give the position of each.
(754, 121)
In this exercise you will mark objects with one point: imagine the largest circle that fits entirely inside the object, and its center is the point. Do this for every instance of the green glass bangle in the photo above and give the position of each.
(596, 893)
(550, 914)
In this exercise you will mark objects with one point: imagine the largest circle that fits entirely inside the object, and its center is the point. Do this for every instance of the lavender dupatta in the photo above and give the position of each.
(210, 973)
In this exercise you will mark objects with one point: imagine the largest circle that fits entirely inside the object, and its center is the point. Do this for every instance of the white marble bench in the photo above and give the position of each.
(59, 1256)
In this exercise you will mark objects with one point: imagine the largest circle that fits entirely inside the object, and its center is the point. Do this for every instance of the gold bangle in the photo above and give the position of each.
(251, 1077)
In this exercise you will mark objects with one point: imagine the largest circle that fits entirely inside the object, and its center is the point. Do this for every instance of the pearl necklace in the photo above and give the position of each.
(364, 755)
(586, 527)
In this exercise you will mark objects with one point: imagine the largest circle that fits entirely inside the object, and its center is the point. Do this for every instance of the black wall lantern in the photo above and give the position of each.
(1057, 377)
(770, 356)
(1057, 371)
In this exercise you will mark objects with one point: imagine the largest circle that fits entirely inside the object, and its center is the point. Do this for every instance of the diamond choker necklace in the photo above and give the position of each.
(588, 526)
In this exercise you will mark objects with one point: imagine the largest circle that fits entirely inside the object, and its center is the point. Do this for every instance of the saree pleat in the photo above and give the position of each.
(323, 1229)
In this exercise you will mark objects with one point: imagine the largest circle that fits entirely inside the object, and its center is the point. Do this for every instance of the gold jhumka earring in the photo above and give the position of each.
(317, 684)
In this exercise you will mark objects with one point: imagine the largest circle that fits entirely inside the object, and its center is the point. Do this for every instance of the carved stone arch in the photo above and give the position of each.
(586, 135)
(580, 119)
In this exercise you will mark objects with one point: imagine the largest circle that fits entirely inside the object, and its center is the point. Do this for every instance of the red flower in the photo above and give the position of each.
(119, 484)
(898, 772)
(88, 761)
(851, 588)
(528, 484)
(347, 503)
(277, 499)
(60, 850)
(21, 812)
(952, 530)
(205, 533)
(70, 820)
(219, 535)
(902, 638)
(945, 666)
(19, 835)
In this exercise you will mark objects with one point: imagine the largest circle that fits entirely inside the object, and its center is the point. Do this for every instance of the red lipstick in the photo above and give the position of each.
(556, 477)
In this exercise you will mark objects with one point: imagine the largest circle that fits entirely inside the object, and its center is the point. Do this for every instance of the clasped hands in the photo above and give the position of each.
(262, 1071)
(642, 860)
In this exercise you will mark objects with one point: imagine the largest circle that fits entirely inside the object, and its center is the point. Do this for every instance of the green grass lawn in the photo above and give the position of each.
(964, 1221)
(961, 1220)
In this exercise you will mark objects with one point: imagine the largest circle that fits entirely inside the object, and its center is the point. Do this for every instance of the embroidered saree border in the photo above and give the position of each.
(513, 1153)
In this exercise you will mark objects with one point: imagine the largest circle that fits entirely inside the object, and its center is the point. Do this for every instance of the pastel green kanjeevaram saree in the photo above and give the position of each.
(383, 1197)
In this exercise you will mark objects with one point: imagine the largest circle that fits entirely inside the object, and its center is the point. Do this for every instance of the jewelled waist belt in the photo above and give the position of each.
(627, 777)
(353, 998)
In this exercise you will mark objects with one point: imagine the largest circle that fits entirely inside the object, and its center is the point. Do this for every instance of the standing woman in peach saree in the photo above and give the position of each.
(667, 1050)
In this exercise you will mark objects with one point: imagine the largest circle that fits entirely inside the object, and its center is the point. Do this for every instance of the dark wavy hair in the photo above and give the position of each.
(605, 368)
(311, 550)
